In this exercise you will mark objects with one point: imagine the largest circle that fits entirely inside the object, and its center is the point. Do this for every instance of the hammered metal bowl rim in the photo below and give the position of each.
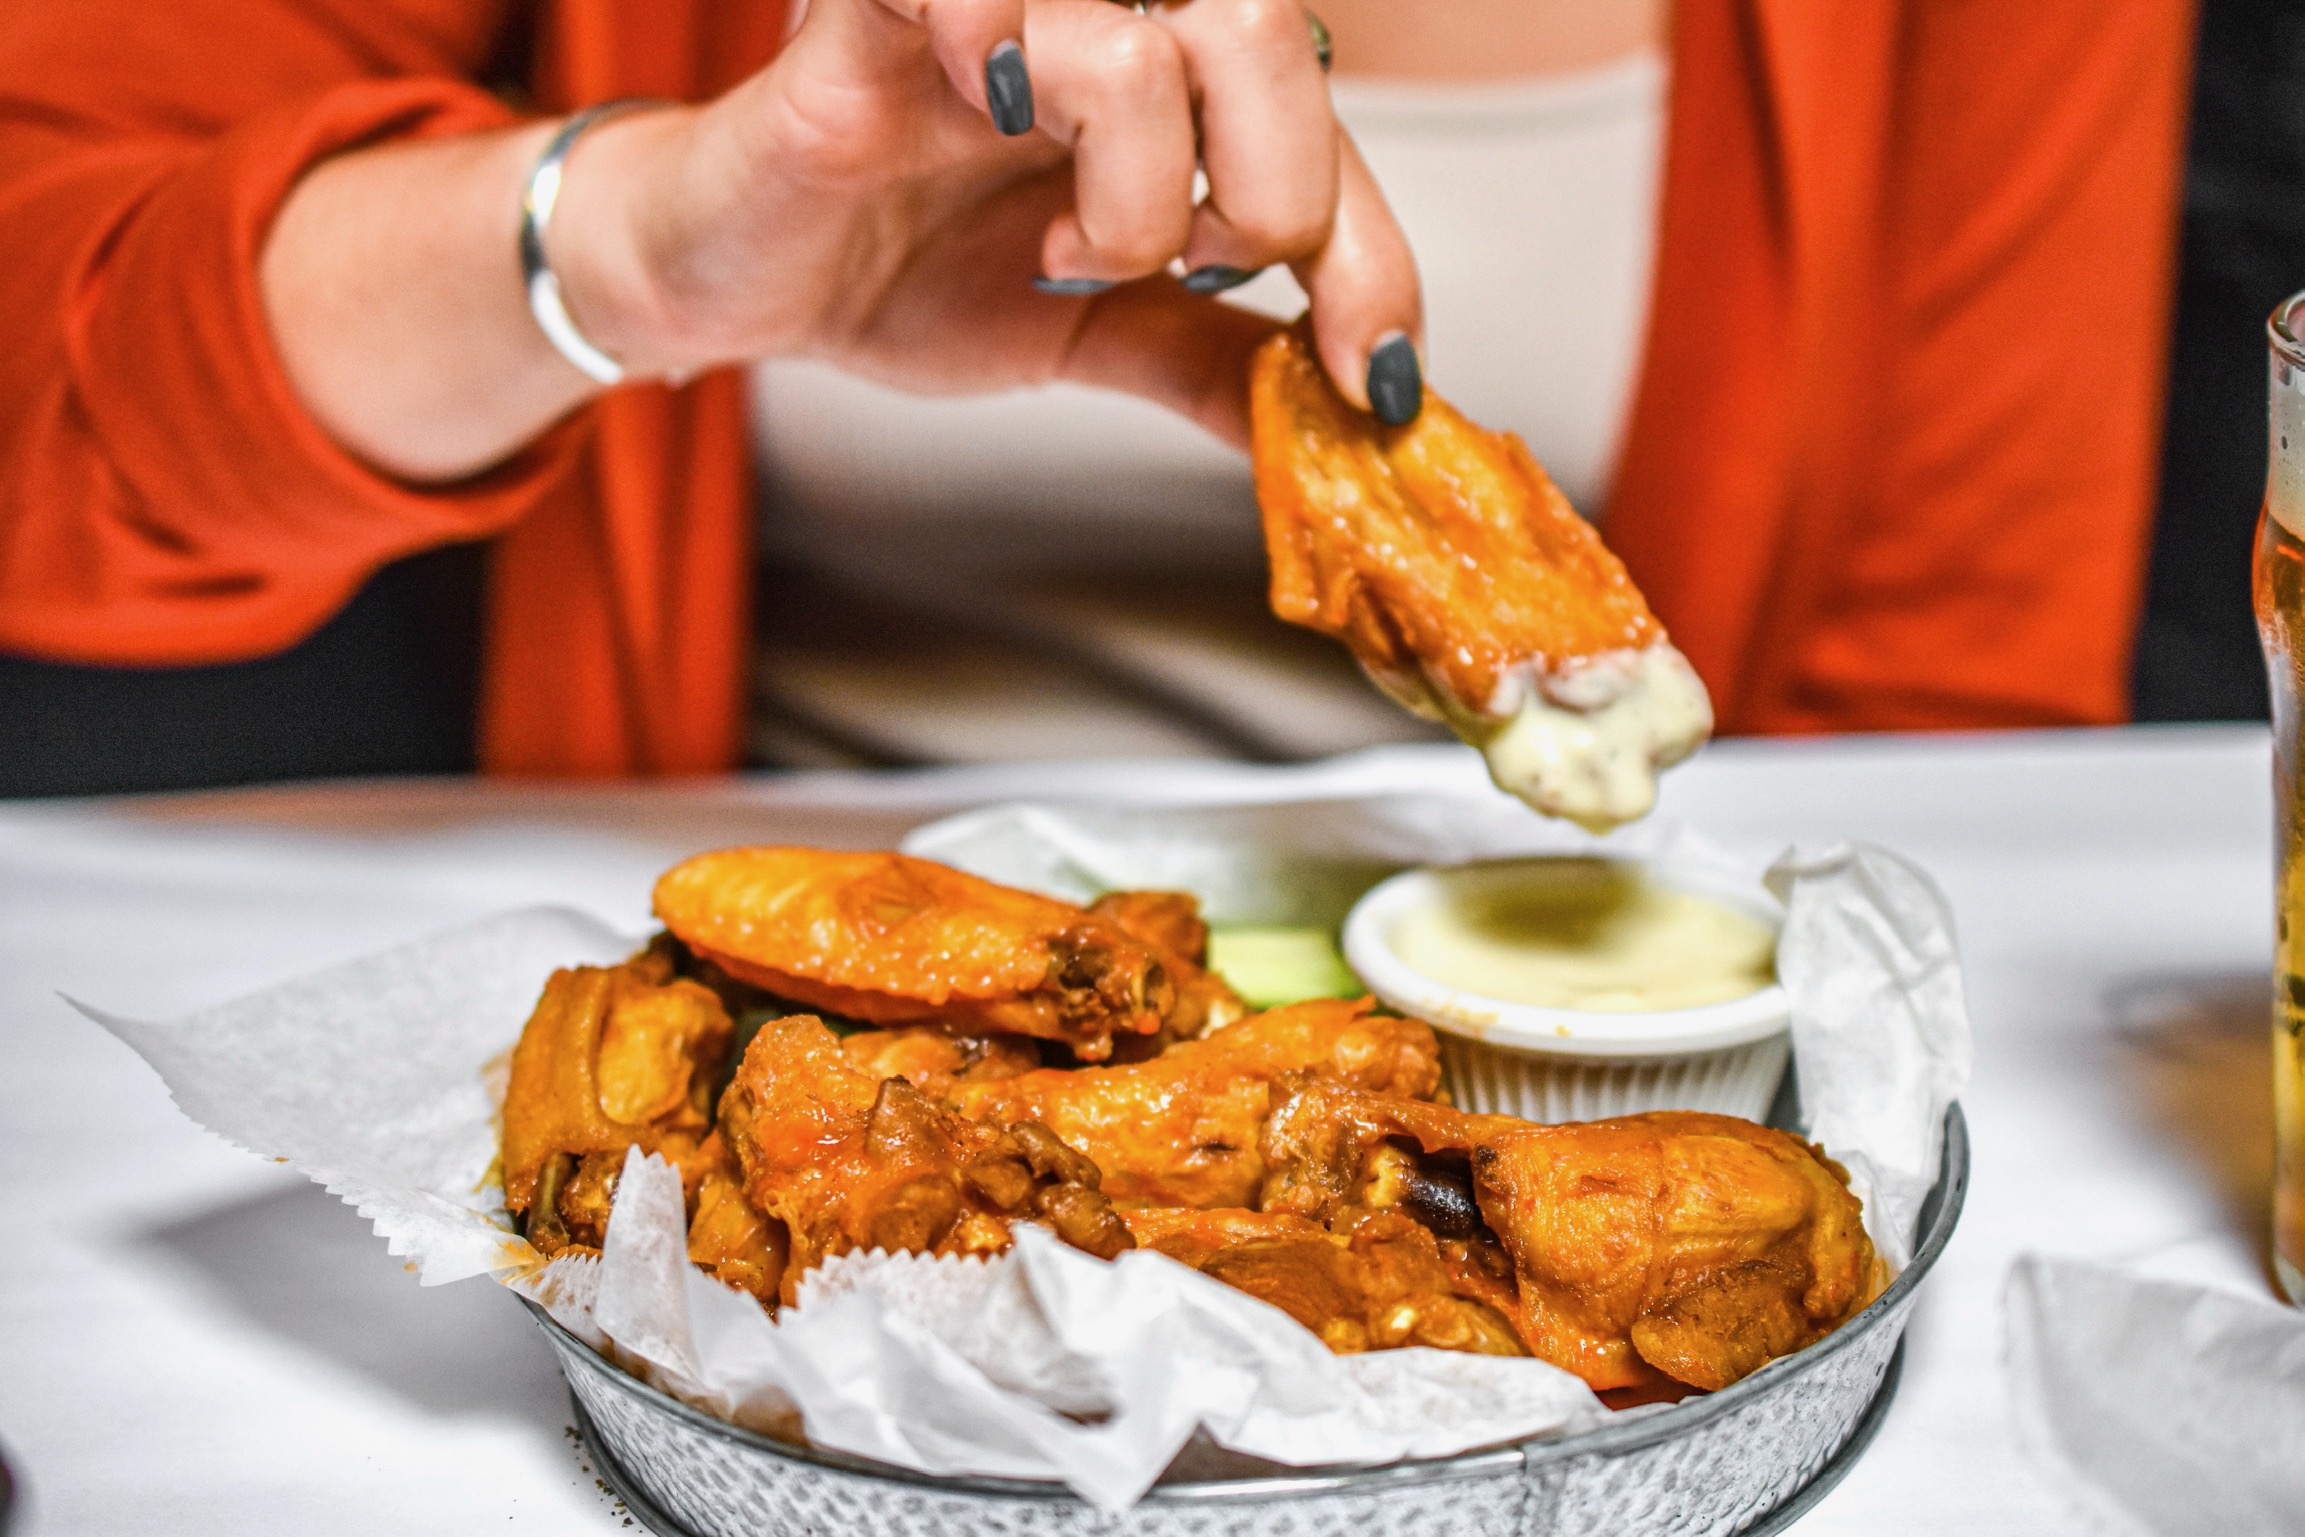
(1609, 1441)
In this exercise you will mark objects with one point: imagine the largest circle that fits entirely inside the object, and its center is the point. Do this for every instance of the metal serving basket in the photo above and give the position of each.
(1748, 1459)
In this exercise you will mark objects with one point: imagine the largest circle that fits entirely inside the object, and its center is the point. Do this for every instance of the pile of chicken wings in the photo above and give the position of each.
(854, 1051)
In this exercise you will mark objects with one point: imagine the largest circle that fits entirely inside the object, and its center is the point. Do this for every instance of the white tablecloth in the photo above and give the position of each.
(193, 1341)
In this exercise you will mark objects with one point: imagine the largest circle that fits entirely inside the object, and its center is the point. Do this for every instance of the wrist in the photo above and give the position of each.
(608, 238)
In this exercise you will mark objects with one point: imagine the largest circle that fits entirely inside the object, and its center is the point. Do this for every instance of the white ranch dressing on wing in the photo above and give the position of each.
(1590, 934)
(1588, 742)
(1585, 741)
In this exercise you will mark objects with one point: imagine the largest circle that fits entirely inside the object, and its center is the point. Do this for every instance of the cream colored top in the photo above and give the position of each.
(1532, 208)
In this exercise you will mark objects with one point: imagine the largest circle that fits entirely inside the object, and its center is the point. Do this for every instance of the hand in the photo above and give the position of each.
(856, 202)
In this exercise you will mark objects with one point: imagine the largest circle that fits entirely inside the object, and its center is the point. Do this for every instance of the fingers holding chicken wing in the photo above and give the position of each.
(1469, 590)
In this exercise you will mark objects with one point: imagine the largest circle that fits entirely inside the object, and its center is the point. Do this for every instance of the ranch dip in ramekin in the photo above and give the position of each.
(1570, 988)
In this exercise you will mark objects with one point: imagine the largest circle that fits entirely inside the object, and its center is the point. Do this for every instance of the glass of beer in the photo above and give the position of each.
(2280, 594)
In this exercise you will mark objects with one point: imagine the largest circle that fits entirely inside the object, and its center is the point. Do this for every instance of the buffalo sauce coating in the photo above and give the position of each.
(1183, 1128)
(1670, 1244)
(1437, 550)
(891, 939)
(872, 922)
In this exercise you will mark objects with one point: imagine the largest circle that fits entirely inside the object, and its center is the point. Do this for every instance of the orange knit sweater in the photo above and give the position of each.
(1890, 462)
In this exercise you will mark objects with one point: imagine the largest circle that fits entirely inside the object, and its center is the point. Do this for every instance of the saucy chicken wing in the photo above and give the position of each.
(934, 1060)
(1182, 1128)
(1191, 1235)
(1470, 591)
(727, 1234)
(1171, 922)
(849, 1161)
(1168, 920)
(889, 939)
(1380, 1285)
(618, 1057)
(1668, 1245)
(613, 1057)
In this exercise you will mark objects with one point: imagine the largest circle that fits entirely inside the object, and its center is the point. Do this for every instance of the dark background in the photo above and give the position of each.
(385, 687)
(2243, 252)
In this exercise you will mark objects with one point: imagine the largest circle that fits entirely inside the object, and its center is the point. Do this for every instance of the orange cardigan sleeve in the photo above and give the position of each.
(163, 496)
(1892, 461)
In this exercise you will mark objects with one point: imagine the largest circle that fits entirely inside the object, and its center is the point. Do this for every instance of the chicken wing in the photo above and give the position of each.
(1168, 920)
(613, 1057)
(1469, 590)
(727, 1234)
(890, 939)
(1669, 1245)
(934, 1060)
(1182, 1128)
(1380, 1285)
(1171, 922)
(847, 1161)
(1192, 1235)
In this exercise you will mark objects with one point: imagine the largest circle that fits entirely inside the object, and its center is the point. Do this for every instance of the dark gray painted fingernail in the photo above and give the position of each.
(1070, 288)
(1008, 90)
(1215, 280)
(1396, 383)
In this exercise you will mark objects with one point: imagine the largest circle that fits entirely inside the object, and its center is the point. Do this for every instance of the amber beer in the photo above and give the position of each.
(2280, 593)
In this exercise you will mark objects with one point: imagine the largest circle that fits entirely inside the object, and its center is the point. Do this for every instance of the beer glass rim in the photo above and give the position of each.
(2286, 329)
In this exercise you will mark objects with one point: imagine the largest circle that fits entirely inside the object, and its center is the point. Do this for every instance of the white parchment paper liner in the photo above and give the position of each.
(1043, 1363)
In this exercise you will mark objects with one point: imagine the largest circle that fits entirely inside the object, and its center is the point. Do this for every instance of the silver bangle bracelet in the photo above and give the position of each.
(536, 203)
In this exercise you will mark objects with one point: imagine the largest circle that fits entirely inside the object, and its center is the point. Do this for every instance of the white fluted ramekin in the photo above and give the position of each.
(1550, 1064)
